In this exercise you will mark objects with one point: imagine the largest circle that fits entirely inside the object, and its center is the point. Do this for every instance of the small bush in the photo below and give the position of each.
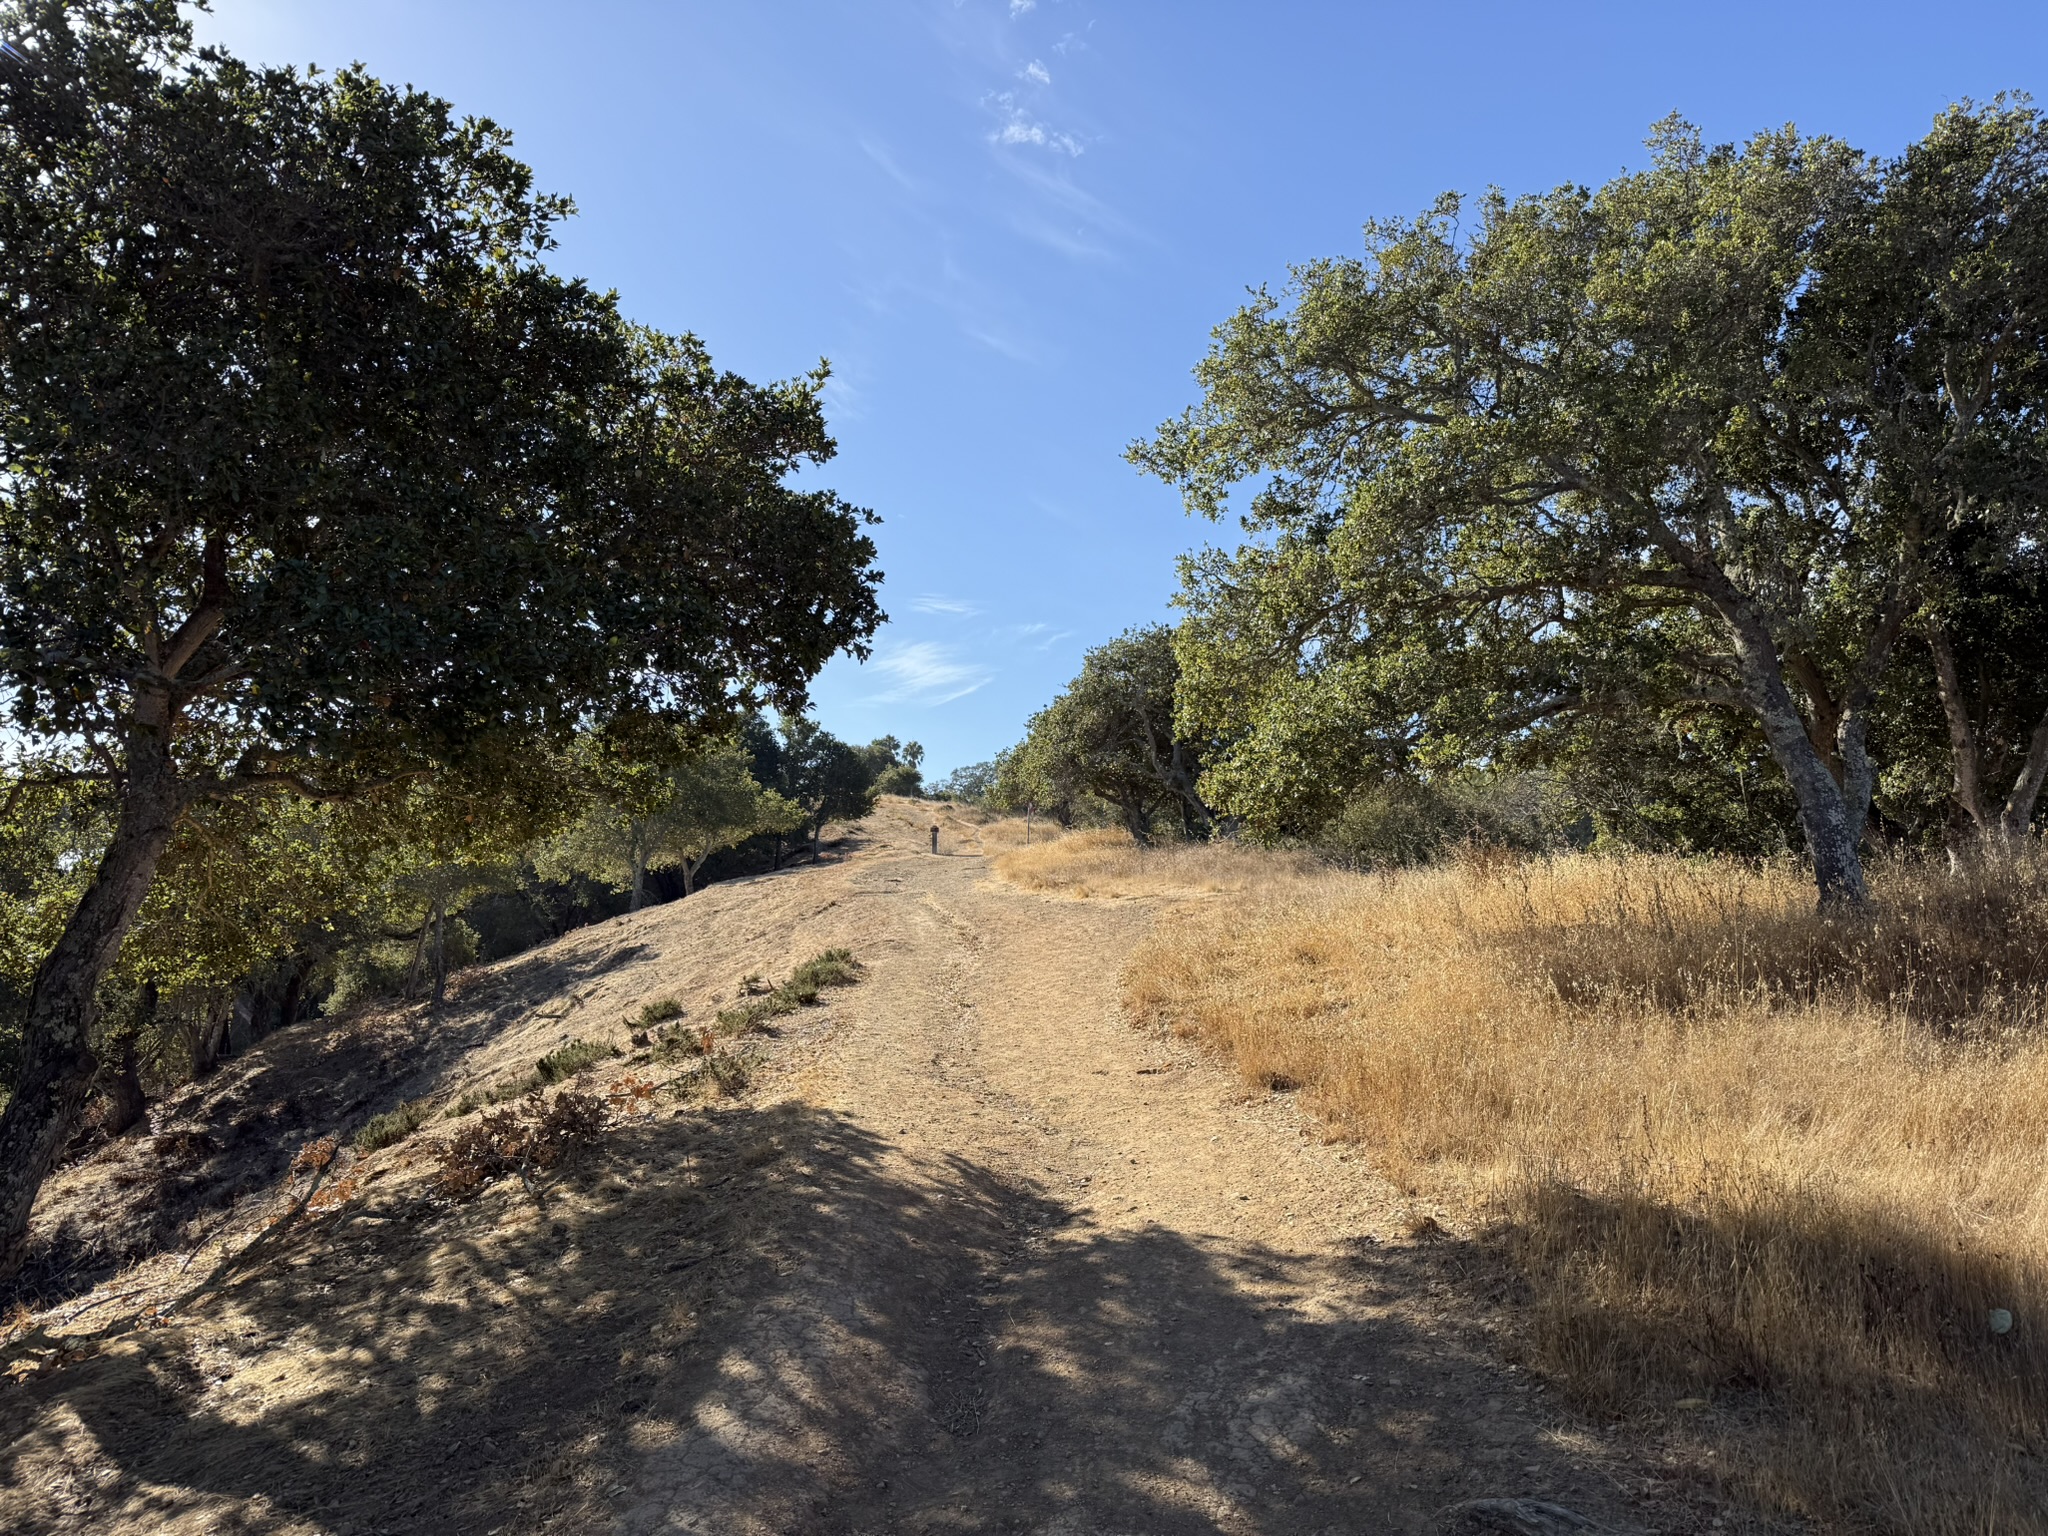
(731, 1072)
(676, 1043)
(660, 1011)
(750, 1017)
(727, 1072)
(393, 1126)
(1405, 821)
(497, 1093)
(577, 1056)
(833, 968)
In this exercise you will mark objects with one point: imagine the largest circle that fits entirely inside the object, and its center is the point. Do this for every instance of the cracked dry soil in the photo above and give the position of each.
(970, 1255)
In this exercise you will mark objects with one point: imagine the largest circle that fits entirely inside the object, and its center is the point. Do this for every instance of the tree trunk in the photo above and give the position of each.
(241, 1031)
(1966, 768)
(1136, 822)
(1832, 838)
(818, 840)
(690, 868)
(58, 1065)
(2009, 823)
(125, 1099)
(2026, 789)
(639, 896)
(294, 989)
(419, 955)
(440, 951)
(213, 1040)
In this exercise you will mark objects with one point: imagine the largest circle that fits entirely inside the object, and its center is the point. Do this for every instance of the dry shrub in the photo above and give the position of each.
(1738, 1148)
(1106, 862)
(510, 1141)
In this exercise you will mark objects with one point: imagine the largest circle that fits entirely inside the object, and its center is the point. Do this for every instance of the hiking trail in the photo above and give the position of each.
(970, 1254)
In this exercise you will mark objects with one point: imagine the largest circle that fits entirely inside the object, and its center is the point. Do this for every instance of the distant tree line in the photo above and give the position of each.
(1702, 510)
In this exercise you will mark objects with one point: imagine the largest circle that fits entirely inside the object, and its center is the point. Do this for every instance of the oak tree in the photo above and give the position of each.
(1679, 443)
(317, 475)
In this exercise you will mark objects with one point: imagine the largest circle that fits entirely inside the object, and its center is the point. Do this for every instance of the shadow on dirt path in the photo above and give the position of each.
(970, 1255)
(865, 1370)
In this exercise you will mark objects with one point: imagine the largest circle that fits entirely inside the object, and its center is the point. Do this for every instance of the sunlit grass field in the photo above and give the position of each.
(1777, 1176)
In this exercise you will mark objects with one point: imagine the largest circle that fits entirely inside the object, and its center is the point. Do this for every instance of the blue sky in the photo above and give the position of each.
(1010, 224)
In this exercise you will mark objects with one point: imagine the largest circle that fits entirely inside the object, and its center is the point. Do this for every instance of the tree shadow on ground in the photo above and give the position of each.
(235, 1133)
(1850, 1350)
(732, 1320)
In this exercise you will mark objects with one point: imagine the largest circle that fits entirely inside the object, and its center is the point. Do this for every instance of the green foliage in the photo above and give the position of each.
(577, 1056)
(821, 775)
(659, 1011)
(503, 1092)
(1693, 782)
(320, 478)
(1675, 447)
(368, 971)
(900, 779)
(897, 768)
(535, 524)
(1112, 734)
(971, 783)
(669, 810)
(393, 1126)
(832, 968)
(1405, 820)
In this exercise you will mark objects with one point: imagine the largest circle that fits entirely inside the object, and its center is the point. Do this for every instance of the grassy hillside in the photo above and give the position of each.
(1781, 1175)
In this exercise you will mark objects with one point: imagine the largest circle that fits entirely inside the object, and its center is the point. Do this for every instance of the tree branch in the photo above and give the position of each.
(206, 616)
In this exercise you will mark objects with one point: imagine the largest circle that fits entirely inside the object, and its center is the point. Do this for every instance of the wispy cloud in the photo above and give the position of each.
(936, 602)
(889, 167)
(1019, 7)
(1060, 216)
(1036, 73)
(925, 672)
(1039, 637)
(999, 341)
(1020, 127)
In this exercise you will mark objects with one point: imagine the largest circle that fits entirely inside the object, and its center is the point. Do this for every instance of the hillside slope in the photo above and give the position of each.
(968, 1253)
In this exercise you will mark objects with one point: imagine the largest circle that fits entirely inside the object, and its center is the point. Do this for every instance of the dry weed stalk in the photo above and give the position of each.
(1741, 1150)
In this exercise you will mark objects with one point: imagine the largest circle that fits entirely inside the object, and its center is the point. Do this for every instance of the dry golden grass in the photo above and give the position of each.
(967, 827)
(1105, 862)
(1741, 1152)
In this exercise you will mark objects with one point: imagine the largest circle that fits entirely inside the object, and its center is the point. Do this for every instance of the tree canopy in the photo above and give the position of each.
(317, 474)
(824, 777)
(1112, 734)
(1686, 445)
(643, 816)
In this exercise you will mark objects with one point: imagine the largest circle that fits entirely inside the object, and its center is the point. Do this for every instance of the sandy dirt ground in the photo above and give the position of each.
(970, 1254)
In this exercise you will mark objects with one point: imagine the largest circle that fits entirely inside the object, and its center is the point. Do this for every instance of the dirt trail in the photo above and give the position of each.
(973, 1255)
